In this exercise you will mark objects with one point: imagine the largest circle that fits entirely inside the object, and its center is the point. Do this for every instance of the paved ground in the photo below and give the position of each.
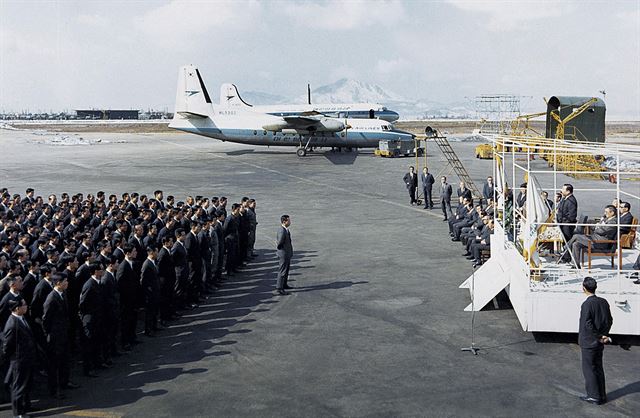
(376, 323)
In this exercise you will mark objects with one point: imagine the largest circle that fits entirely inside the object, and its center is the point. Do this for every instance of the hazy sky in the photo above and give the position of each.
(57, 55)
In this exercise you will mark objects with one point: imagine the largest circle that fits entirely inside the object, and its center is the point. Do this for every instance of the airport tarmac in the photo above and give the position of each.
(375, 324)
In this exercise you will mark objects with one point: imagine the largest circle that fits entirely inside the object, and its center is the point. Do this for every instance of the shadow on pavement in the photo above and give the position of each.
(199, 334)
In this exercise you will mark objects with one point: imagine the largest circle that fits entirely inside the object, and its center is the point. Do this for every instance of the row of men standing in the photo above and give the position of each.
(163, 273)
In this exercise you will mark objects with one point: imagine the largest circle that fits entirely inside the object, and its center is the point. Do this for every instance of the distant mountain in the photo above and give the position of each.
(261, 99)
(348, 90)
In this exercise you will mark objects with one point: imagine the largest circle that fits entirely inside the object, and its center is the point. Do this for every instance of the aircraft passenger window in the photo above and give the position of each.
(372, 114)
(255, 132)
(264, 132)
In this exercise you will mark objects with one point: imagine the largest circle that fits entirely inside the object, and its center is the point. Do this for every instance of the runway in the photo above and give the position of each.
(375, 324)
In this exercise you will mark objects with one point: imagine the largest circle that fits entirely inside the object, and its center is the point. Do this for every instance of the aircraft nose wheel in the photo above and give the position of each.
(301, 152)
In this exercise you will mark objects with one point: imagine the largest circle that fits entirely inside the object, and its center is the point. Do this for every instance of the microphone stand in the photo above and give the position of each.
(473, 349)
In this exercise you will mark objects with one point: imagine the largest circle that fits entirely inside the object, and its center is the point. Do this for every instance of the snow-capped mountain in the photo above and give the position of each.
(348, 90)
(353, 91)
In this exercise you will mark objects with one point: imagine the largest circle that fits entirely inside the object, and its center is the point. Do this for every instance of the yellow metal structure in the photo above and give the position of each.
(572, 161)
(484, 151)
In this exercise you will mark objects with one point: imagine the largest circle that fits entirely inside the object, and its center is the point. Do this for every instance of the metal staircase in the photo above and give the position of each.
(456, 164)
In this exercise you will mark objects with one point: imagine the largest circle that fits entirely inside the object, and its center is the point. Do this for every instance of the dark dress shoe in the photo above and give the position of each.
(636, 281)
(445, 220)
(454, 239)
(286, 286)
(281, 292)
(591, 400)
(70, 385)
(467, 254)
(470, 257)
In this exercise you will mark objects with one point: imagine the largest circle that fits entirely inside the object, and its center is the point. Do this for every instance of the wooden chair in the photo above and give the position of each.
(626, 240)
(610, 251)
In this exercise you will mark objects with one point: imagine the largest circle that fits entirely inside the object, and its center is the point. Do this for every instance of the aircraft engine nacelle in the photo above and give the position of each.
(330, 125)
(296, 131)
(275, 127)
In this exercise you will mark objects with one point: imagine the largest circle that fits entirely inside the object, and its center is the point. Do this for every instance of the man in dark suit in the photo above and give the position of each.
(91, 309)
(626, 218)
(167, 278)
(463, 191)
(179, 257)
(128, 283)
(231, 240)
(219, 230)
(595, 323)
(411, 181)
(151, 291)
(427, 181)
(110, 299)
(19, 348)
(567, 211)
(285, 253)
(605, 230)
(55, 322)
(15, 290)
(194, 256)
(445, 197)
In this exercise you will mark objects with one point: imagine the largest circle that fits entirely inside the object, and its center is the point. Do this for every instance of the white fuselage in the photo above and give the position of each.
(246, 127)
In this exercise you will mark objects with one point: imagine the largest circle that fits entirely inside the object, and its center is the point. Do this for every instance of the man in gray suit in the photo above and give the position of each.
(606, 229)
(285, 253)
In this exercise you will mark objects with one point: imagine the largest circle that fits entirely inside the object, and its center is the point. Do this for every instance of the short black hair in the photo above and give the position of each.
(93, 267)
(569, 187)
(590, 284)
(625, 205)
(14, 304)
(235, 206)
(284, 218)
(58, 278)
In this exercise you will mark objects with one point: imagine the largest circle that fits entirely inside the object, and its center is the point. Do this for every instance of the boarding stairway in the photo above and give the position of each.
(455, 163)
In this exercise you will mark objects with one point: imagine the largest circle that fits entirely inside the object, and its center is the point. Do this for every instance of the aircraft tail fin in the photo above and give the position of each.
(192, 97)
(230, 97)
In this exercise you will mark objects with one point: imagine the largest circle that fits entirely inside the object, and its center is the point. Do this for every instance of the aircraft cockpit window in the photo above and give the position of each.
(384, 109)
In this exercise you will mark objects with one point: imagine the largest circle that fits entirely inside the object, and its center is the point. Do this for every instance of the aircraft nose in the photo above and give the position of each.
(393, 116)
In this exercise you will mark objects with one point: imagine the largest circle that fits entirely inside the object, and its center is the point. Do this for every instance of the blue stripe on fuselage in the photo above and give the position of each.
(356, 139)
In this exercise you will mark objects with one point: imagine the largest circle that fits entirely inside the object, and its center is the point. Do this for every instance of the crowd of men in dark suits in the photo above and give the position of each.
(75, 272)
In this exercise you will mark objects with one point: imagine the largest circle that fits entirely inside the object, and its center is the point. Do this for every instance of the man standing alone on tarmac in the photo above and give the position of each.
(595, 323)
(411, 181)
(285, 253)
(427, 185)
(445, 197)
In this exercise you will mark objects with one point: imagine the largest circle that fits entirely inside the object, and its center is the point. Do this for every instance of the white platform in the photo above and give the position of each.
(553, 304)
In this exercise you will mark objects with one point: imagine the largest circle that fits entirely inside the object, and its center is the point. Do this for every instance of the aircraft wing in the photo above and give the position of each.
(300, 120)
(306, 124)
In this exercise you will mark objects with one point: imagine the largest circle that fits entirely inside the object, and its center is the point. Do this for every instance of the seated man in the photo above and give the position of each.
(605, 230)
(469, 232)
(475, 236)
(461, 211)
(484, 244)
(472, 216)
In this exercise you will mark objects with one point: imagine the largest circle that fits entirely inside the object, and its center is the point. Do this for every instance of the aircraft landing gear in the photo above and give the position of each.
(301, 152)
